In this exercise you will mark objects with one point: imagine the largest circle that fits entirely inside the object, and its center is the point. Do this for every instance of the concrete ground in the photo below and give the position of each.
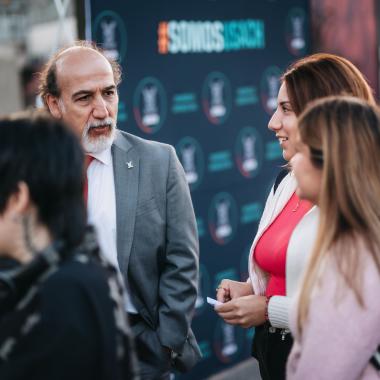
(246, 370)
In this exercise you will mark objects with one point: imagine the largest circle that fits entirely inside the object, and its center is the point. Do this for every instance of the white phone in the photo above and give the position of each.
(213, 302)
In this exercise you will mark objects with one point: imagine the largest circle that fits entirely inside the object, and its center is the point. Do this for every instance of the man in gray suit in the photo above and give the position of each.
(140, 204)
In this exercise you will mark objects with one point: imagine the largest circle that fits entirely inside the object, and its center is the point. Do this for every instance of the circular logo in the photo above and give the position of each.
(110, 33)
(191, 156)
(295, 31)
(249, 152)
(223, 218)
(149, 105)
(228, 341)
(269, 86)
(203, 290)
(216, 97)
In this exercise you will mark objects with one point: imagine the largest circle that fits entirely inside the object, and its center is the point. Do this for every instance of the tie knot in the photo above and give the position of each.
(87, 161)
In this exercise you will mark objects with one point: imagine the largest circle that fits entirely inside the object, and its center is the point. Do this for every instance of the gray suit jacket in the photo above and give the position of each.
(157, 241)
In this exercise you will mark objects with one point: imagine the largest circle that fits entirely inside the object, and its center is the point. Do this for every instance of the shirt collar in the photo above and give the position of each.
(104, 157)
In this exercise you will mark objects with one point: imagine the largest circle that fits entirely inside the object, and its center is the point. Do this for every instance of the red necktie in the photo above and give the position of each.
(87, 162)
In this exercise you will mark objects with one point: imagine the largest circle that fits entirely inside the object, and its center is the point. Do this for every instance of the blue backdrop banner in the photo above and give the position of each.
(203, 75)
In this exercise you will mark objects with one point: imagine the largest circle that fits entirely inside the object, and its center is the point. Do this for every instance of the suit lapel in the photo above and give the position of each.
(126, 174)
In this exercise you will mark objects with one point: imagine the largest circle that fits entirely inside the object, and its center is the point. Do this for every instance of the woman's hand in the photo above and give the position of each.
(244, 311)
(229, 290)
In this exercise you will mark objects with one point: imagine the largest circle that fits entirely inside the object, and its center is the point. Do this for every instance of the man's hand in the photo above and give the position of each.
(245, 311)
(229, 290)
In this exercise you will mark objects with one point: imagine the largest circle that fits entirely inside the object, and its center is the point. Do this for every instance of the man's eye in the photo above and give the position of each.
(110, 93)
(84, 98)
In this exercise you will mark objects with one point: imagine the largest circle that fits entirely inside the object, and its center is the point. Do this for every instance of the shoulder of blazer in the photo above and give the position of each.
(155, 158)
(140, 143)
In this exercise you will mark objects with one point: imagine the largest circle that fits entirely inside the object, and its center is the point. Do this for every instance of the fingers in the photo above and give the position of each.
(223, 293)
(233, 313)
(233, 319)
(220, 294)
(229, 316)
(225, 307)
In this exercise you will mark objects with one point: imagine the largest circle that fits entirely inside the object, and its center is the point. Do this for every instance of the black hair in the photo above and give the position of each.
(47, 156)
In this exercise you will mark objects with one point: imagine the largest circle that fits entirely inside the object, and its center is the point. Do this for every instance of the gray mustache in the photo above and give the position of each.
(101, 123)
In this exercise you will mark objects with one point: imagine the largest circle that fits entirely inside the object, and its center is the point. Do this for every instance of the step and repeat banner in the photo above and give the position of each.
(204, 76)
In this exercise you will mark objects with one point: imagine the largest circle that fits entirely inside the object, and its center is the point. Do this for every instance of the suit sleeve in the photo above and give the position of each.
(179, 278)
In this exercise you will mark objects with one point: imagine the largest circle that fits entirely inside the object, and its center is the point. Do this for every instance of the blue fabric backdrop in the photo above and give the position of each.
(203, 75)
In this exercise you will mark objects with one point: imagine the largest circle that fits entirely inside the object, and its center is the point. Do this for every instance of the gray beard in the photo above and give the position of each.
(101, 143)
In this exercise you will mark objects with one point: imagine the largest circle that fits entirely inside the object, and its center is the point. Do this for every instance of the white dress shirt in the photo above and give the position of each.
(101, 208)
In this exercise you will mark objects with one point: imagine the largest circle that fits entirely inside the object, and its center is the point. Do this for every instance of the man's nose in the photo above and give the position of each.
(275, 122)
(100, 110)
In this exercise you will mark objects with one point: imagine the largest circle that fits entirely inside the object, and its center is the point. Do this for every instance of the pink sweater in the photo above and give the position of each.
(340, 336)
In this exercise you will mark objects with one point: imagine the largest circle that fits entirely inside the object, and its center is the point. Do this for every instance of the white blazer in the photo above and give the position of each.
(299, 249)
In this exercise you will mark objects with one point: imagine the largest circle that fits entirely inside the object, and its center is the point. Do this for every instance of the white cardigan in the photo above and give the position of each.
(299, 249)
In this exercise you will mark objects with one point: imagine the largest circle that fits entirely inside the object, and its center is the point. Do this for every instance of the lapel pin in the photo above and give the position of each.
(130, 165)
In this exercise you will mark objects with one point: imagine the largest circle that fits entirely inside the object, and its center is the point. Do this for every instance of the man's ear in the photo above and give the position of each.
(52, 103)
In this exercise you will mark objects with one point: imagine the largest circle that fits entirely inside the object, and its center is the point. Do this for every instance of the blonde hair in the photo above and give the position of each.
(343, 135)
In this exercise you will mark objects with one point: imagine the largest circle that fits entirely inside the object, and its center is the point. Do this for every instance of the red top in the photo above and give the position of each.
(270, 250)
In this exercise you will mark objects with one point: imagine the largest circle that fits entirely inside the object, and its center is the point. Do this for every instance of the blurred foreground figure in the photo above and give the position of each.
(61, 304)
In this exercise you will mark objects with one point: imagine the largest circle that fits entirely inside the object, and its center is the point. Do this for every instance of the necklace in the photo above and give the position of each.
(297, 206)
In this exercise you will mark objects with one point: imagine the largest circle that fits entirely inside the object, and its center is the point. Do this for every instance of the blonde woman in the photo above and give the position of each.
(336, 320)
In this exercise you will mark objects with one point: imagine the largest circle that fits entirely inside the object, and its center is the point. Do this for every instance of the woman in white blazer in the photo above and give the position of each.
(287, 229)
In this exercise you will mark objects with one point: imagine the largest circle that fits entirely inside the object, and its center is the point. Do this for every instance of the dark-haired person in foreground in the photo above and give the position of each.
(61, 304)
(139, 202)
